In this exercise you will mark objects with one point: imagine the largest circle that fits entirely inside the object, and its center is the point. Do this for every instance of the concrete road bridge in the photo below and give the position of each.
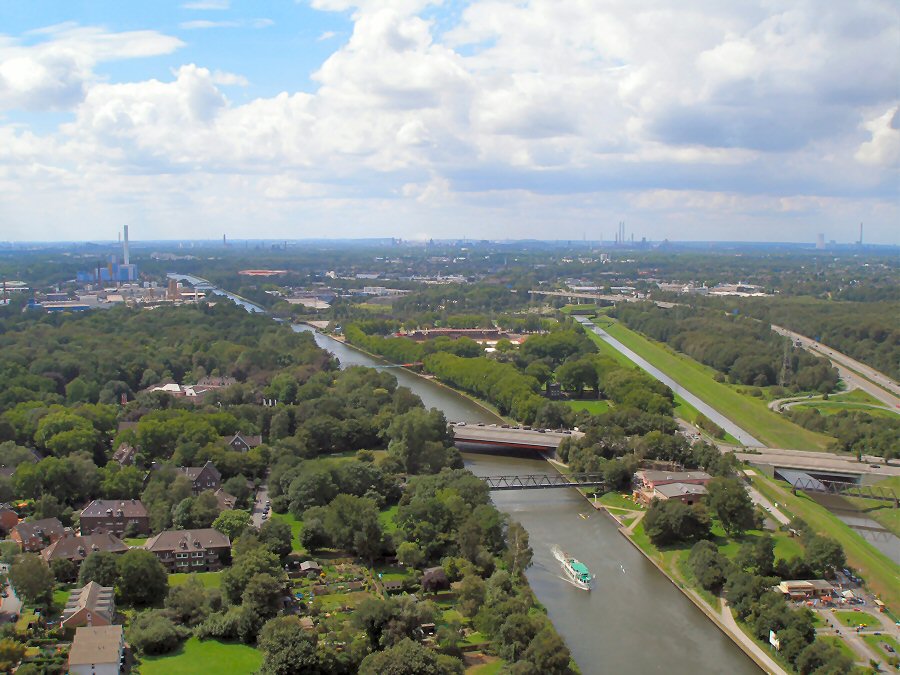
(501, 437)
(577, 297)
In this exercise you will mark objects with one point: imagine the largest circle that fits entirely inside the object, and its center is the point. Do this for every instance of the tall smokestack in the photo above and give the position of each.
(125, 245)
(860, 234)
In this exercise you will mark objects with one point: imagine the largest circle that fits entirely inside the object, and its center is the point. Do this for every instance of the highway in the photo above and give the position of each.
(818, 461)
(602, 298)
(853, 372)
(742, 436)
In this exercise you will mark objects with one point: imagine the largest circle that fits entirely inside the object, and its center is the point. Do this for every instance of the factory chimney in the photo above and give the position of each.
(125, 245)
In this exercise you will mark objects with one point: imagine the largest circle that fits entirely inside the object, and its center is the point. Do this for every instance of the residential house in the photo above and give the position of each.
(77, 548)
(206, 477)
(190, 550)
(244, 443)
(225, 500)
(117, 516)
(97, 650)
(33, 535)
(125, 455)
(90, 605)
(310, 568)
(8, 519)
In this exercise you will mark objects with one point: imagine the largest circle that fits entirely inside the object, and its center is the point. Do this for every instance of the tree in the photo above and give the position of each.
(288, 648)
(710, 567)
(315, 488)
(352, 524)
(188, 603)
(32, 579)
(263, 595)
(518, 552)
(514, 636)
(63, 569)
(11, 652)
(246, 565)
(671, 521)
(101, 567)
(408, 658)
(237, 487)
(410, 555)
(232, 523)
(824, 554)
(728, 499)
(152, 632)
(471, 595)
(276, 536)
(548, 653)
(823, 659)
(142, 578)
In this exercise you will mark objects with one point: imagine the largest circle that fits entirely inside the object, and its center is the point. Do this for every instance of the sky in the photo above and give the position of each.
(490, 119)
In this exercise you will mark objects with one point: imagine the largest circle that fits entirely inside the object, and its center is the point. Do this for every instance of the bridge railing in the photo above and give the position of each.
(537, 481)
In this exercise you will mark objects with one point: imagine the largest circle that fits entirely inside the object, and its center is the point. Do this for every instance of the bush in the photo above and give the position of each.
(152, 632)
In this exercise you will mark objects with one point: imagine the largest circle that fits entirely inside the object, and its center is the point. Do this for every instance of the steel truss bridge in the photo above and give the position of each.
(543, 481)
(845, 489)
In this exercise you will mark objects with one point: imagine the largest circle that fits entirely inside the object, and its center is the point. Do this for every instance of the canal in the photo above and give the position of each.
(634, 620)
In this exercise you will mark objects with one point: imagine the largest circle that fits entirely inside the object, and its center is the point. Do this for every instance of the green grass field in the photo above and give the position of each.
(386, 518)
(135, 541)
(208, 656)
(492, 668)
(208, 579)
(853, 619)
(593, 407)
(832, 407)
(880, 572)
(747, 412)
(877, 642)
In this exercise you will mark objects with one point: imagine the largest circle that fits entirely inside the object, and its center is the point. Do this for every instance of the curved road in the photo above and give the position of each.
(743, 436)
(852, 371)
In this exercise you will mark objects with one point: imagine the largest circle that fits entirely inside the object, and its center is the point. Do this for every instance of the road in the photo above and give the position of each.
(262, 496)
(742, 436)
(855, 373)
(817, 461)
(474, 433)
(769, 507)
(11, 604)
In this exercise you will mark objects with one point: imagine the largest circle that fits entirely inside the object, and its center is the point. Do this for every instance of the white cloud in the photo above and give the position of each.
(54, 74)
(884, 147)
(202, 24)
(550, 116)
(327, 35)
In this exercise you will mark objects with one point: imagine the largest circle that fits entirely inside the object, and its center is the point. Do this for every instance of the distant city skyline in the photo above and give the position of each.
(480, 119)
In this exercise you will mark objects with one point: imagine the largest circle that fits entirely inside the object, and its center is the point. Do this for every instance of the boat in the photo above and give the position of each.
(577, 571)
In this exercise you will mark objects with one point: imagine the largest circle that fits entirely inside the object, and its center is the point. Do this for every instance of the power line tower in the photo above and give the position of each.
(785, 364)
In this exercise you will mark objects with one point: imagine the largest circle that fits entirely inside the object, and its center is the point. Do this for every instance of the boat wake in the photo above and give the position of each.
(558, 553)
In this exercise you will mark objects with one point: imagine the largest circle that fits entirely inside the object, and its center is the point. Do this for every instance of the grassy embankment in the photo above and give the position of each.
(683, 409)
(747, 412)
(882, 575)
(881, 511)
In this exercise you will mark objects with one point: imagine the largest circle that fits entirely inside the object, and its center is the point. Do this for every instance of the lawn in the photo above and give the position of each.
(208, 579)
(333, 601)
(620, 501)
(881, 573)
(135, 541)
(877, 642)
(593, 407)
(208, 656)
(296, 528)
(492, 668)
(746, 411)
(854, 619)
(833, 407)
(391, 573)
(386, 518)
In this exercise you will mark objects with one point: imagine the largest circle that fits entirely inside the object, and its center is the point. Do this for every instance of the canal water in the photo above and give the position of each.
(635, 620)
